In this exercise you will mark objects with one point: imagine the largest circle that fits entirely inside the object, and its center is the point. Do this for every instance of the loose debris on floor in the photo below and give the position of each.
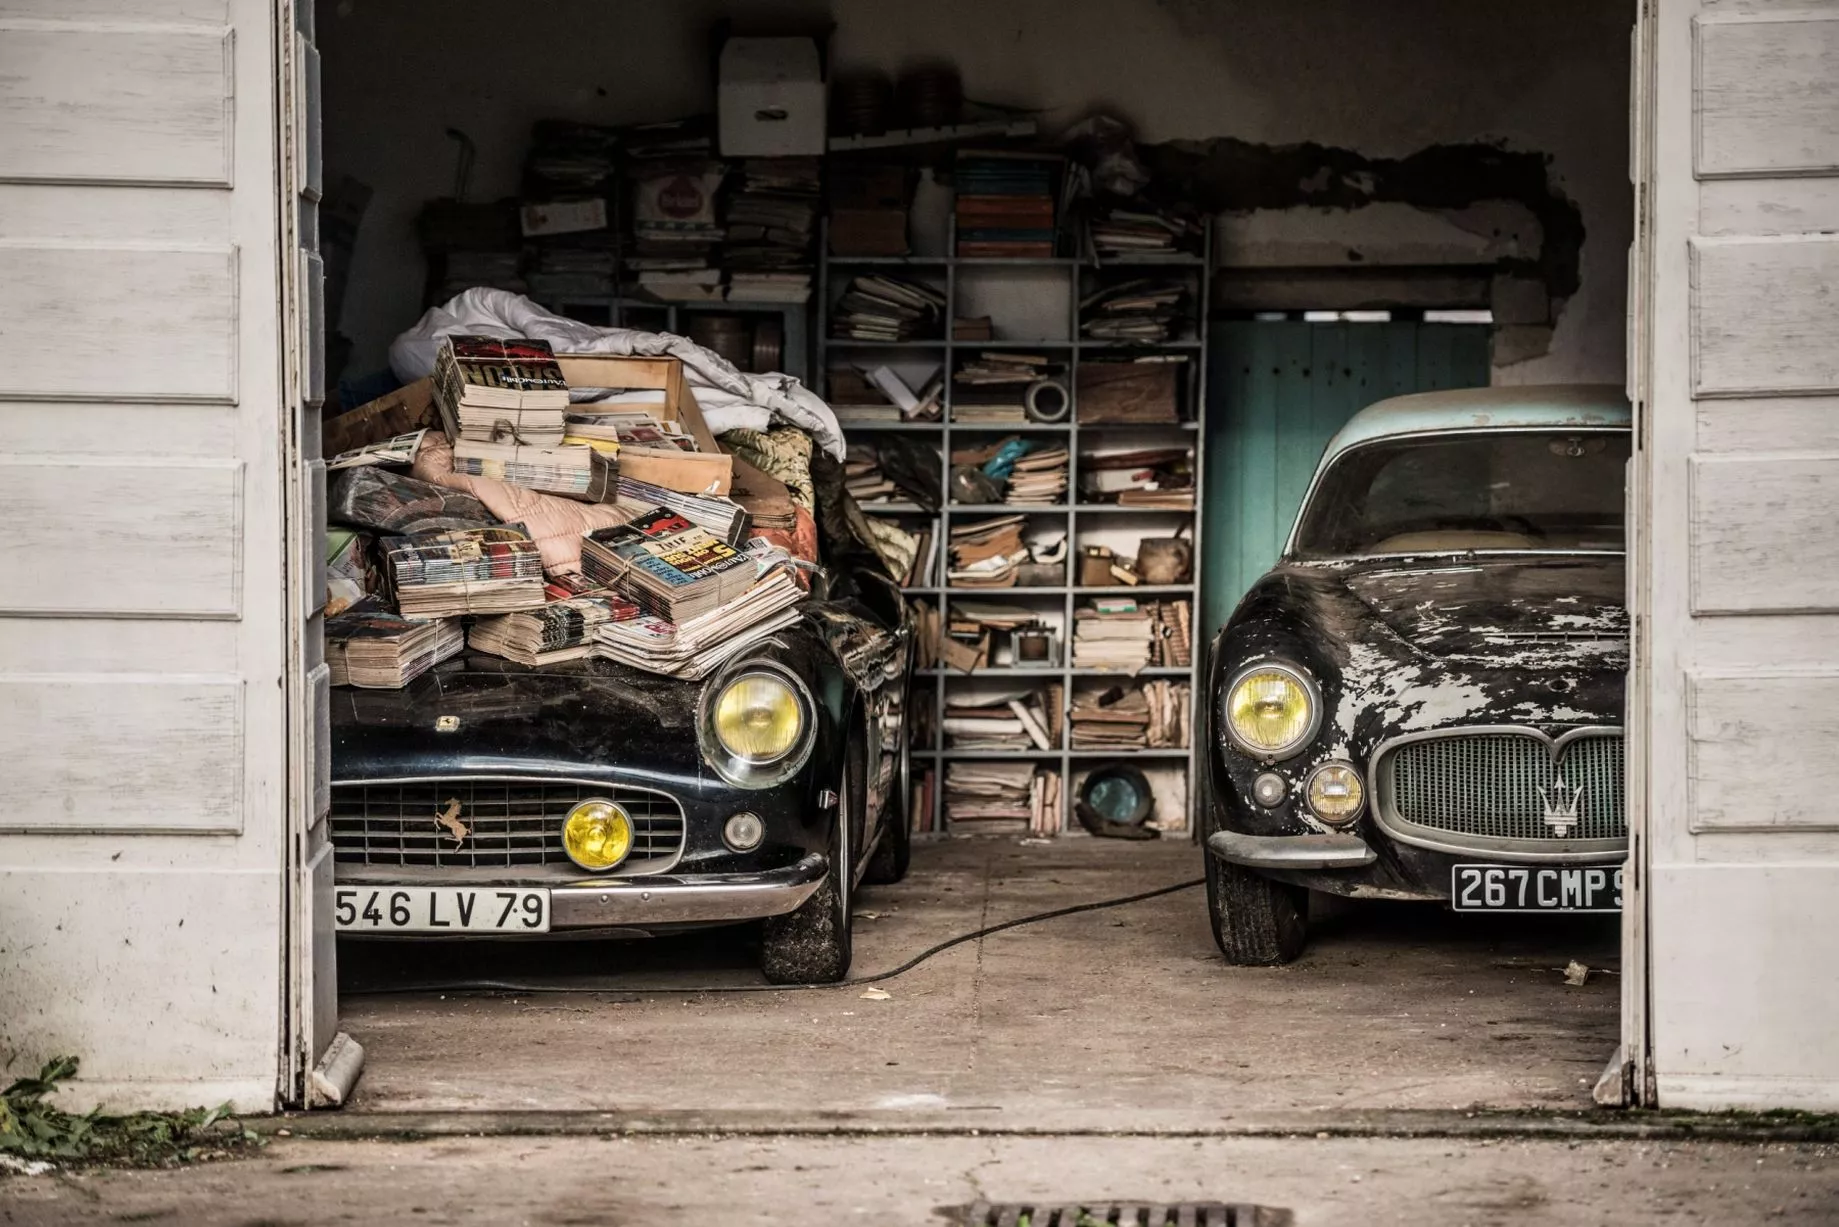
(33, 1132)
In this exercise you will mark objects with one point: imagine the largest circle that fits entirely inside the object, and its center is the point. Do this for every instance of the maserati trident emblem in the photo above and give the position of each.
(1558, 805)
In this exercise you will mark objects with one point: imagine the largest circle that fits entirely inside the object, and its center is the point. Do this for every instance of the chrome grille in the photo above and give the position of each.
(1495, 785)
(511, 823)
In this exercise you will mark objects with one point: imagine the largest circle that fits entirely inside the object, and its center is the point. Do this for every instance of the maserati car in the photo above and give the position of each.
(492, 799)
(1423, 698)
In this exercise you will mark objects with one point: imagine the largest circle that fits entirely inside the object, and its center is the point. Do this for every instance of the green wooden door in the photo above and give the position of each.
(1276, 392)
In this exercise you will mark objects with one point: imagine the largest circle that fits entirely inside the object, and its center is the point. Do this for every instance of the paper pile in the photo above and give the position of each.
(1126, 717)
(369, 646)
(983, 791)
(1144, 311)
(1142, 232)
(1011, 722)
(465, 571)
(992, 388)
(691, 649)
(503, 403)
(879, 308)
(769, 223)
(986, 553)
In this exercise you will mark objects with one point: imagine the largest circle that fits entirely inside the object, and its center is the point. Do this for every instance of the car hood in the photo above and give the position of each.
(1546, 612)
(478, 714)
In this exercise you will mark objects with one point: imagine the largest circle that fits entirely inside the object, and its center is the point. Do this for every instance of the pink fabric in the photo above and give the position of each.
(553, 522)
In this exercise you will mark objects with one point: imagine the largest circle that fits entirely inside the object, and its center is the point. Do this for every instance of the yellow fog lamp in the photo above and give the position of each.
(597, 834)
(1335, 793)
(1272, 710)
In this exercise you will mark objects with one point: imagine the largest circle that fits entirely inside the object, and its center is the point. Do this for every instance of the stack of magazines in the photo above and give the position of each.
(560, 630)
(671, 568)
(503, 404)
(466, 571)
(369, 646)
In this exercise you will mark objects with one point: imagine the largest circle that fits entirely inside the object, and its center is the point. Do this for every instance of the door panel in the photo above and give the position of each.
(143, 732)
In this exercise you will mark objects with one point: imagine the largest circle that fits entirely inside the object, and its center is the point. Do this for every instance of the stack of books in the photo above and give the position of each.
(1045, 808)
(1018, 722)
(1005, 203)
(987, 553)
(1111, 633)
(371, 647)
(560, 630)
(1144, 311)
(674, 226)
(770, 223)
(863, 478)
(695, 646)
(878, 308)
(1159, 478)
(465, 571)
(1114, 719)
(1143, 233)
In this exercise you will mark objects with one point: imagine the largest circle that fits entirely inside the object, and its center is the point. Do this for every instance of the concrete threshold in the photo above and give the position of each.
(1400, 1123)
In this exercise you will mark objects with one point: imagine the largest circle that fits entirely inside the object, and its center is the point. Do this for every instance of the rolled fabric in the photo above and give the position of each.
(1047, 400)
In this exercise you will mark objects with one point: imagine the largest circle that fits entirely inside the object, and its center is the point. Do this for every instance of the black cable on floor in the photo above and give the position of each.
(515, 986)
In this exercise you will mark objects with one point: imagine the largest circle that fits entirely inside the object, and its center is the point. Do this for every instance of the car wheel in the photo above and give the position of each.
(895, 851)
(812, 944)
(1256, 922)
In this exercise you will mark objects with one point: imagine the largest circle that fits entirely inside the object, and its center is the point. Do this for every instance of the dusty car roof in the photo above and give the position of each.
(1536, 405)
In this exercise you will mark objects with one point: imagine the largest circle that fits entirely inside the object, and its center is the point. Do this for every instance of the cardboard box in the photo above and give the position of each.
(396, 413)
(708, 471)
(770, 101)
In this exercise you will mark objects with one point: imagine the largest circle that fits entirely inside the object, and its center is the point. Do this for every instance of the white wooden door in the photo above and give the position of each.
(144, 660)
(1736, 700)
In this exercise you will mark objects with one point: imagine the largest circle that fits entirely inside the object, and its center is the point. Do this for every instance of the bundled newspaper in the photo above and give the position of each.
(494, 391)
(369, 646)
(560, 630)
(692, 649)
(466, 571)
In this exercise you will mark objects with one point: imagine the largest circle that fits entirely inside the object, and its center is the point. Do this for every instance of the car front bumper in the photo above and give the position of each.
(653, 901)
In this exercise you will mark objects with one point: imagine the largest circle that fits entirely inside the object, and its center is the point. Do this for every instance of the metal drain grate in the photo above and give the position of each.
(1125, 1214)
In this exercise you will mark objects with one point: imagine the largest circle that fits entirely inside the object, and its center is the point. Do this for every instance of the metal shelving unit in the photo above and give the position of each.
(1071, 516)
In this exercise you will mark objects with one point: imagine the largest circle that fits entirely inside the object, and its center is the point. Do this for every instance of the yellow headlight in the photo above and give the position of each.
(1335, 793)
(597, 834)
(1270, 711)
(758, 718)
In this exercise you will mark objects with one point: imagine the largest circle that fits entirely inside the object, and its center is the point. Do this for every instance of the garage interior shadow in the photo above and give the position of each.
(1115, 1018)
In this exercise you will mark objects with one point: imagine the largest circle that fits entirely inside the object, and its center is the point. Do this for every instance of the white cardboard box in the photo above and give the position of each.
(770, 102)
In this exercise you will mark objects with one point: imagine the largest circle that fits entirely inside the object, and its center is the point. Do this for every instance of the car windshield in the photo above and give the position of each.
(1498, 490)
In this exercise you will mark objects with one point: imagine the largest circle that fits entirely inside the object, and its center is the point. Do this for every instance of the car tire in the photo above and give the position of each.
(894, 853)
(812, 945)
(1256, 922)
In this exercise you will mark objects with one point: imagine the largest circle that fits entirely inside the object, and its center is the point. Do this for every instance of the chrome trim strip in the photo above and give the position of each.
(655, 899)
(1526, 851)
(1291, 851)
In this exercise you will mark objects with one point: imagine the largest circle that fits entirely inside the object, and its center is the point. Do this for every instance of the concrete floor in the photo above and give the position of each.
(1117, 1019)
(700, 1180)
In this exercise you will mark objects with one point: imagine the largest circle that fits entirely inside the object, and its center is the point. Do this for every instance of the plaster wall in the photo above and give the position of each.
(1383, 80)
